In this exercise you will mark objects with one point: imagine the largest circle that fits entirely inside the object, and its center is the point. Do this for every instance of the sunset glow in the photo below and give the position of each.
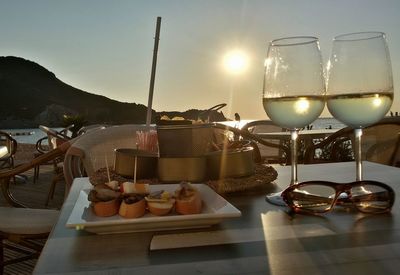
(206, 48)
(236, 62)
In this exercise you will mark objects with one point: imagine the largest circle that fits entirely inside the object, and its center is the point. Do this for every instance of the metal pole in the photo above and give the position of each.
(153, 72)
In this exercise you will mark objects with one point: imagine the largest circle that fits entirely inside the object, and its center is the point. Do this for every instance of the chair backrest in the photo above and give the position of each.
(395, 161)
(42, 145)
(379, 143)
(90, 150)
(88, 128)
(55, 138)
(8, 149)
(269, 154)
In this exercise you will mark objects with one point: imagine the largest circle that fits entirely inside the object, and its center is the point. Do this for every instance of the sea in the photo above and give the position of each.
(31, 135)
(28, 136)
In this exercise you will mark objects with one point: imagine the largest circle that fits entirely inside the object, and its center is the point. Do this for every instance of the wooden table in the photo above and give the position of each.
(265, 240)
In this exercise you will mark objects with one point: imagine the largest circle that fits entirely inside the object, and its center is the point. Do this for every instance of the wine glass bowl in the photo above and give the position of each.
(294, 84)
(360, 83)
(293, 90)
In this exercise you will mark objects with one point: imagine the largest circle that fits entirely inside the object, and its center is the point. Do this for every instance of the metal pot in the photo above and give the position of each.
(184, 140)
(182, 169)
(146, 163)
(230, 163)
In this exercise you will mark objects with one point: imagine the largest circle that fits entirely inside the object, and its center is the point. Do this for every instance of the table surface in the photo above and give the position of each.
(341, 242)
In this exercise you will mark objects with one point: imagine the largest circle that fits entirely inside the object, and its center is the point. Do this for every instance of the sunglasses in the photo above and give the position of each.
(367, 196)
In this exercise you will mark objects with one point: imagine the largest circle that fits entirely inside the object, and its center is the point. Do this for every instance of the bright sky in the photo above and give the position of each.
(105, 47)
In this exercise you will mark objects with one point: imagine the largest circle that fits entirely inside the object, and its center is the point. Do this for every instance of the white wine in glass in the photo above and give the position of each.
(360, 83)
(294, 90)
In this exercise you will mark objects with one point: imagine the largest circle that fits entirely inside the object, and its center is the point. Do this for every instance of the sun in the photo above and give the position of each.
(236, 61)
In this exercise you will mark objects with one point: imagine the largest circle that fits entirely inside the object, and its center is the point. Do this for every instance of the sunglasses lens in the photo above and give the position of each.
(310, 197)
(371, 198)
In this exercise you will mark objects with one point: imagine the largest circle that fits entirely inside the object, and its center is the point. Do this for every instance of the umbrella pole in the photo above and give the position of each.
(153, 72)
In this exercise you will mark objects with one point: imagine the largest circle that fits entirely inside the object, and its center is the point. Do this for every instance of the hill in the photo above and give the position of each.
(32, 95)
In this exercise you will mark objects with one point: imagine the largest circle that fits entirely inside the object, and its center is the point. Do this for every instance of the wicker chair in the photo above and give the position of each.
(19, 223)
(380, 143)
(277, 154)
(54, 139)
(8, 148)
(42, 145)
(89, 151)
(267, 150)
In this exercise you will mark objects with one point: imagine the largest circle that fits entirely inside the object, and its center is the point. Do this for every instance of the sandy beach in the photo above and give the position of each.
(25, 152)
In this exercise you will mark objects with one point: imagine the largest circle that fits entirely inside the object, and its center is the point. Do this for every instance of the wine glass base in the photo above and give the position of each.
(276, 199)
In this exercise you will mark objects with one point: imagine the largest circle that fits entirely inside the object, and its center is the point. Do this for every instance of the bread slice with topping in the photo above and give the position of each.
(160, 203)
(188, 199)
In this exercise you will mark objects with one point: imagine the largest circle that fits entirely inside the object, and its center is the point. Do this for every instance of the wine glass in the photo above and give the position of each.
(360, 83)
(294, 90)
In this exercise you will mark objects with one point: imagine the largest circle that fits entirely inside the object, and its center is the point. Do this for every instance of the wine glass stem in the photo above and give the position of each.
(293, 148)
(357, 152)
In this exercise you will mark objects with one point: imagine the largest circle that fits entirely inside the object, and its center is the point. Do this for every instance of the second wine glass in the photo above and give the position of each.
(294, 90)
(360, 83)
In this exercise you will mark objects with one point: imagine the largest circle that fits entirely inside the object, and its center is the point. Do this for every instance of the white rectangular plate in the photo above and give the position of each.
(215, 209)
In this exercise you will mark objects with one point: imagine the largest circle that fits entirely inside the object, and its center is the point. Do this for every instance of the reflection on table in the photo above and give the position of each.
(265, 240)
